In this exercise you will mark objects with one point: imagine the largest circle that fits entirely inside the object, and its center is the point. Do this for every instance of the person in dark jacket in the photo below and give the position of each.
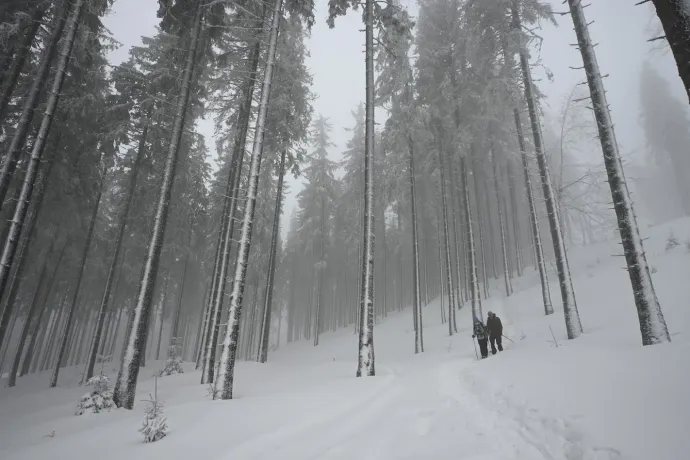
(494, 328)
(479, 331)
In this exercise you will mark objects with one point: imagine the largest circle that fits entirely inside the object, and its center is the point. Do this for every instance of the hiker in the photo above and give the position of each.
(479, 332)
(495, 330)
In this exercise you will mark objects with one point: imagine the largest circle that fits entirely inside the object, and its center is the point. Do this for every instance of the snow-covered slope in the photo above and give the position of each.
(602, 396)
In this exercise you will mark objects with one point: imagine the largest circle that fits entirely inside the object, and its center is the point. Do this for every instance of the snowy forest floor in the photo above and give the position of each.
(600, 397)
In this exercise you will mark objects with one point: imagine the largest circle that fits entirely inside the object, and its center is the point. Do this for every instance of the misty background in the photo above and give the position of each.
(620, 29)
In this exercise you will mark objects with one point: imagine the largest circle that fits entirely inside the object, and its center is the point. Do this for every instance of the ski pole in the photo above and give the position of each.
(507, 338)
(475, 348)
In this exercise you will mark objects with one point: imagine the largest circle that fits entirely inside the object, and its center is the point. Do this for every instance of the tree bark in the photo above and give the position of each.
(474, 283)
(652, 323)
(105, 300)
(416, 299)
(82, 265)
(268, 296)
(446, 237)
(31, 101)
(572, 316)
(228, 219)
(501, 222)
(126, 385)
(10, 82)
(675, 20)
(227, 362)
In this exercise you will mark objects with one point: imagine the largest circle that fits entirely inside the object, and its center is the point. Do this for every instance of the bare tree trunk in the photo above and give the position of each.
(27, 237)
(446, 239)
(31, 101)
(164, 300)
(268, 296)
(12, 379)
(105, 300)
(652, 323)
(675, 19)
(227, 362)
(501, 222)
(516, 220)
(42, 309)
(474, 283)
(82, 265)
(536, 236)
(480, 225)
(10, 82)
(228, 220)
(125, 388)
(416, 300)
(572, 316)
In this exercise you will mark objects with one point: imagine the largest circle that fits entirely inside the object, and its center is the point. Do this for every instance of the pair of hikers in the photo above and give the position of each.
(493, 331)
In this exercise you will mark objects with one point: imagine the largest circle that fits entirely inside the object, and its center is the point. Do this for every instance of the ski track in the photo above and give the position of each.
(439, 413)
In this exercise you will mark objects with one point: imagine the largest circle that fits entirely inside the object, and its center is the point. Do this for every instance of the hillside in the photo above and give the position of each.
(602, 396)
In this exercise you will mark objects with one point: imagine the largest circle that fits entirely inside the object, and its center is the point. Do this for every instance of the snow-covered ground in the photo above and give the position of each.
(600, 397)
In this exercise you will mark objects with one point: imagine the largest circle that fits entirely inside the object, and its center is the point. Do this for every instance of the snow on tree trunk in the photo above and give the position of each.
(536, 235)
(652, 323)
(516, 220)
(416, 300)
(228, 220)
(675, 20)
(28, 235)
(42, 309)
(440, 259)
(125, 387)
(268, 296)
(105, 300)
(223, 383)
(32, 99)
(80, 276)
(30, 316)
(10, 82)
(446, 237)
(472, 258)
(365, 363)
(572, 317)
(501, 222)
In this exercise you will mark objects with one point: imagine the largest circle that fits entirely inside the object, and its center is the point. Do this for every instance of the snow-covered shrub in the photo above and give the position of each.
(671, 242)
(101, 398)
(173, 365)
(155, 426)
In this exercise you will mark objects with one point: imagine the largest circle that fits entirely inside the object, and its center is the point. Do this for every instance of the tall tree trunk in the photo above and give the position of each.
(22, 206)
(652, 323)
(675, 19)
(105, 300)
(474, 283)
(27, 237)
(164, 300)
(365, 362)
(42, 309)
(480, 224)
(80, 276)
(229, 350)
(446, 238)
(516, 221)
(319, 276)
(536, 234)
(126, 385)
(175, 330)
(501, 222)
(268, 296)
(10, 82)
(572, 316)
(228, 220)
(31, 101)
(30, 316)
(416, 299)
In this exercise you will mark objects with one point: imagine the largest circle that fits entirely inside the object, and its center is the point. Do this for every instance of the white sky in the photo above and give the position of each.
(337, 63)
